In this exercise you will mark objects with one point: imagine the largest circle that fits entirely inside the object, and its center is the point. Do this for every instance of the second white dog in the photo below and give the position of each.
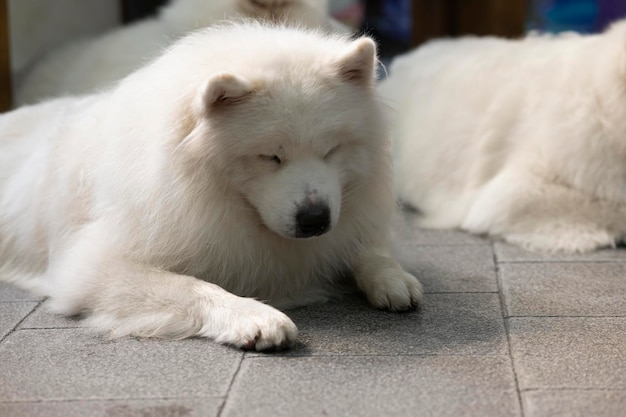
(91, 64)
(520, 139)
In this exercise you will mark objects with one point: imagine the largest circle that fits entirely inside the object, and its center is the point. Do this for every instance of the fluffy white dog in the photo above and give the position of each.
(91, 64)
(521, 139)
(246, 160)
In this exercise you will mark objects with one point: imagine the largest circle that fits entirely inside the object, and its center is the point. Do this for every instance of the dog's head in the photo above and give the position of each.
(293, 139)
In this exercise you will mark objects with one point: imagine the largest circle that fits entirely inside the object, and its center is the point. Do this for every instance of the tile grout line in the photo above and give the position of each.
(14, 329)
(450, 245)
(546, 389)
(112, 399)
(375, 355)
(459, 292)
(230, 385)
(504, 314)
(566, 317)
(55, 328)
(564, 261)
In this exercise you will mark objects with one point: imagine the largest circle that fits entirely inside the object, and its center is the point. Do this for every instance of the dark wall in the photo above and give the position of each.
(136, 9)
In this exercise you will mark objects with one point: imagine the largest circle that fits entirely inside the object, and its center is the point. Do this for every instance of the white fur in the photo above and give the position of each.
(150, 205)
(523, 139)
(92, 64)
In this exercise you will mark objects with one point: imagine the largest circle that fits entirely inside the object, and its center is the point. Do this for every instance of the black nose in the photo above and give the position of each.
(313, 220)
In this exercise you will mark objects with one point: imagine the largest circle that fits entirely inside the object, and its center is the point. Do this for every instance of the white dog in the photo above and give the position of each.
(246, 159)
(91, 64)
(521, 139)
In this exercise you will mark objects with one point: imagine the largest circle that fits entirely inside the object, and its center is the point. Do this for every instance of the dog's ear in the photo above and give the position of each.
(358, 64)
(224, 90)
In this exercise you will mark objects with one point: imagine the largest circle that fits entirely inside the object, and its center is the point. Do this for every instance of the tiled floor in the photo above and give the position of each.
(502, 332)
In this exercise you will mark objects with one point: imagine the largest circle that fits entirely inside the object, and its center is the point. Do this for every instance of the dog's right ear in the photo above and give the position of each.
(358, 64)
(224, 90)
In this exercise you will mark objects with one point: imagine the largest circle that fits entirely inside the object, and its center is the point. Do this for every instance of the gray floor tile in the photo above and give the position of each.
(569, 352)
(510, 253)
(564, 289)
(9, 292)
(451, 268)
(12, 313)
(179, 407)
(405, 231)
(449, 358)
(374, 386)
(41, 318)
(574, 403)
(469, 324)
(74, 364)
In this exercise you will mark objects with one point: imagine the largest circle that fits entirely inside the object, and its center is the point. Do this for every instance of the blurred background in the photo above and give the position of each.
(30, 28)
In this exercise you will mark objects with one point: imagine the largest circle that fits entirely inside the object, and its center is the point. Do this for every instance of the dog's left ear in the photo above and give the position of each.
(223, 90)
(358, 64)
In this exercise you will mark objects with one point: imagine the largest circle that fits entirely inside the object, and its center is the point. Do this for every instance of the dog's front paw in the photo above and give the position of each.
(395, 291)
(251, 325)
(386, 285)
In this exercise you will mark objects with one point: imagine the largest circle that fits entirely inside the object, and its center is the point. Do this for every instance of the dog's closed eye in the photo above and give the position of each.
(332, 152)
(271, 158)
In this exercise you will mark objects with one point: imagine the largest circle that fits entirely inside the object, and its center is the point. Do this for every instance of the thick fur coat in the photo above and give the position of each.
(247, 161)
(522, 139)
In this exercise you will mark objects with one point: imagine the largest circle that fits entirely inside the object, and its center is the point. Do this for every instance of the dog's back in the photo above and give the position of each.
(465, 107)
(515, 138)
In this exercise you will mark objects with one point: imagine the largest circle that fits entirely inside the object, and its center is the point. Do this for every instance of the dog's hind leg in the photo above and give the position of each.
(539, 215)
(124, 297)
